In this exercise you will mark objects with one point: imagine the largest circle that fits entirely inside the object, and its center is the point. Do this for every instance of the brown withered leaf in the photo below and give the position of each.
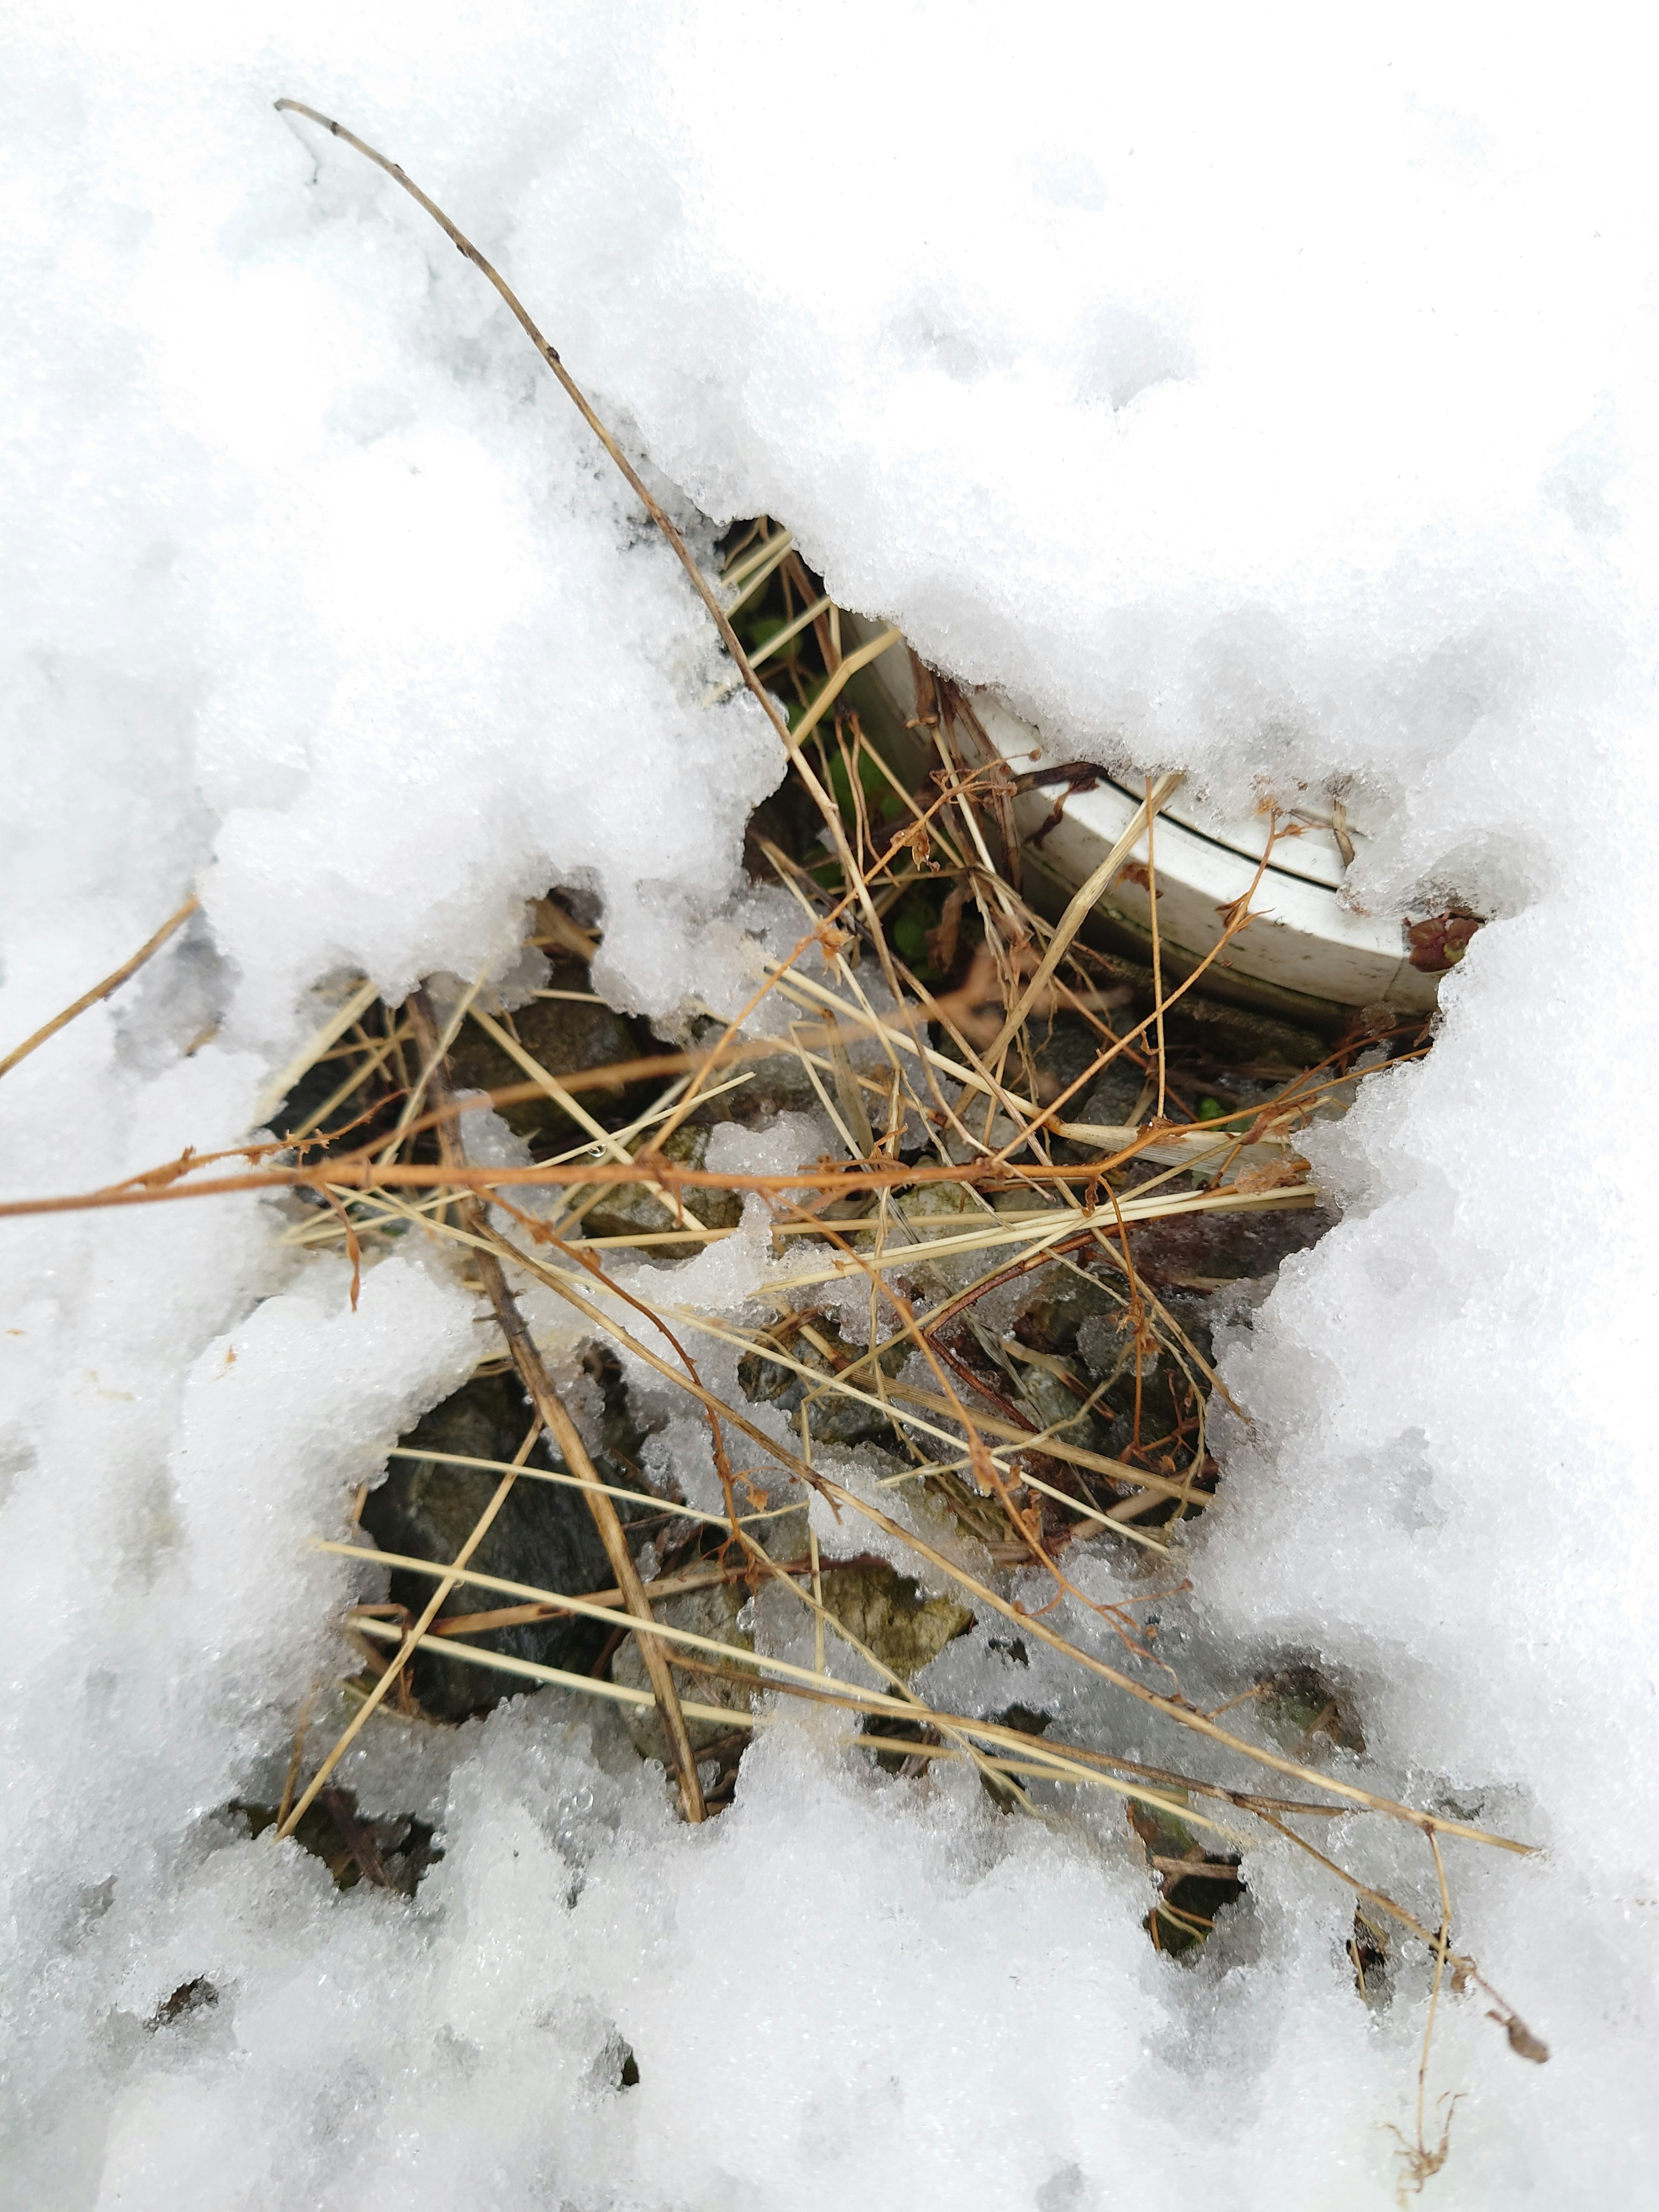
(942, 942)
(1523, 2041)
(1236, 914)
(1074, 776)
(1282, 1175)
(919, 843)
(979, 1459)
(1440, 942)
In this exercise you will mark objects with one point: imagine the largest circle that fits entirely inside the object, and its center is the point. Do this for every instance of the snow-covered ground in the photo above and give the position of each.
(1267, 398)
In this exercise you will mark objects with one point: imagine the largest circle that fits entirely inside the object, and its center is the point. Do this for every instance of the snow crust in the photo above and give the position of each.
(1270, 399)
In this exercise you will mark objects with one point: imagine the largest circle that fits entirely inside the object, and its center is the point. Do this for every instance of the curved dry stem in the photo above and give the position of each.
(147, 950)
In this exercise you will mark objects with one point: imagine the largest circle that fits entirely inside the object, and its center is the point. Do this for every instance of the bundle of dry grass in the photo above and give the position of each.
(953, 1037)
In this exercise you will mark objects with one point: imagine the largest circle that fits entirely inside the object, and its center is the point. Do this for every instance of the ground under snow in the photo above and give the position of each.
(1263, 402)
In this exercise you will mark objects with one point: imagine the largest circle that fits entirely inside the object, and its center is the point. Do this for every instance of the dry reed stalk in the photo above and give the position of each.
(1037, 1758)
(352, 1010)
(1053, 1764)
(1087, 896)
(177, 1179)
(573, 391)
(1157, 954)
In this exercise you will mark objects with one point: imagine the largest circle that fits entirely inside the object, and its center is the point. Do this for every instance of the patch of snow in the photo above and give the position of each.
(1268, 398)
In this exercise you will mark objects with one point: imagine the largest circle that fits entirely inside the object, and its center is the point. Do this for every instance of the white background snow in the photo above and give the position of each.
(1268, 396)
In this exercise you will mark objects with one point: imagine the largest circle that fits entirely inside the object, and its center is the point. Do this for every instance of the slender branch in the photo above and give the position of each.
(729, 638)
(146, 951)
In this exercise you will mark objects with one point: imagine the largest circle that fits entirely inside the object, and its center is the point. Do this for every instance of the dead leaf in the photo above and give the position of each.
(917, 842)
(979, 1459)
(942, 942)
(1236, 914)
(1282, 1175)
(1523, 2041)
(1440, 942)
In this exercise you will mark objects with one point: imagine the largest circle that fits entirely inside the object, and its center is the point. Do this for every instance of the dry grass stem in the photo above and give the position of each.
(560, 1429)
(408, 1640)
(147, 950)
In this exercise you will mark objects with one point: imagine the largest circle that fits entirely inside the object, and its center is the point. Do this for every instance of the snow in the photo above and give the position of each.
(1267, 398)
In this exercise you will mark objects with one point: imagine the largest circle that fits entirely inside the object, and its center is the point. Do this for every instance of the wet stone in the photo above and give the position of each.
(634, 1209)
(712, 1612)
(886, 1610)
(1212, 1032)
(564, 1036)
(816, 1341)
(1112, 1097)
(891, 1615)
(1085, 1343)
(1206, 1251)
(544, 1534)
(777, 1084)
(389, 1851)
(1062, 1049)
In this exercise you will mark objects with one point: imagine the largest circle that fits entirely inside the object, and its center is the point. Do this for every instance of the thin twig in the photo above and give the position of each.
(146, 951)
(706, 592)
(1157, 956)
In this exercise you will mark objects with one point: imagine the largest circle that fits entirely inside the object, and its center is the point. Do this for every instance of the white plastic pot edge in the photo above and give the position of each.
(1305, 940)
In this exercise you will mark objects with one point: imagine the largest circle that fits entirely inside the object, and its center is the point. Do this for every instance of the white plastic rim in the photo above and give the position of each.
(1305, 945)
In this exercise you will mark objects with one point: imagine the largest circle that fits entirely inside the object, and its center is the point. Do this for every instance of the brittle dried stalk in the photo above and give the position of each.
(408, 1640)
(110, 983)
(1172, 1709)
(561, 1428)
(710, 598)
